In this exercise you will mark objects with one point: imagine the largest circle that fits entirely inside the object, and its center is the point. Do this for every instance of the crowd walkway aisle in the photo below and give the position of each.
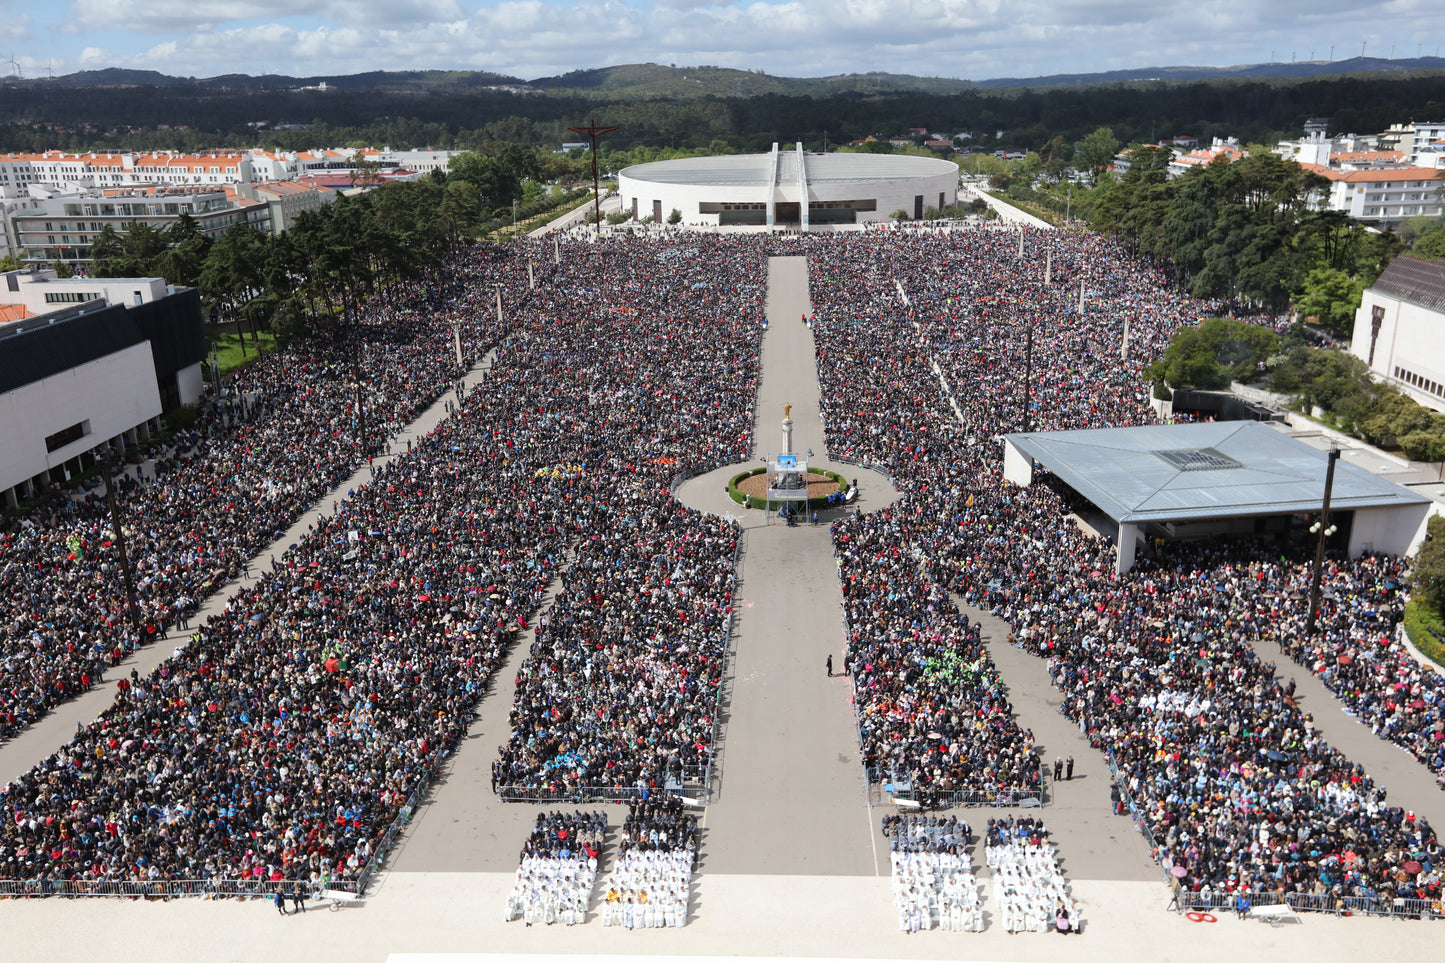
(1408, 783)
(792, 797)
(22, 753)
(464, 827)
(1092, 842)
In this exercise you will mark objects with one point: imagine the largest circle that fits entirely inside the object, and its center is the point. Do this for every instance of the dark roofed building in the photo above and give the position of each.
(88, 375)
(1216, 479)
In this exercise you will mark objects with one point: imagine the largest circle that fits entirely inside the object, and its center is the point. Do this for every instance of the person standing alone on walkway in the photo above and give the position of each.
(1069, 768)
(1058, 768)
(830, 665)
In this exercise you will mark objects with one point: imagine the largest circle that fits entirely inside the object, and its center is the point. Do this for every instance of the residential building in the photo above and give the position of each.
(62, 226)
(59, 169)
(1385, 197)
(287, 199)
(1229, 149)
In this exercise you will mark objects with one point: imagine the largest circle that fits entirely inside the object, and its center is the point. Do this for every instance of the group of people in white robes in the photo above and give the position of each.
(558, 869)
(649, 889)
(933, 880)
(651, 884)
(1028, 886)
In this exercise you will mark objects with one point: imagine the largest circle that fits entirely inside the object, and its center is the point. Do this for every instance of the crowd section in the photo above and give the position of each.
(651, 882)
(1028, 885)
(933, 880)
(1157, 666)
(619, 691)
(215, 493)
(282, 742)
(557, 870)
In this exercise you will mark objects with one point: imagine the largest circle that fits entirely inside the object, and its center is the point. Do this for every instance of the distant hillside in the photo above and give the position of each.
(114, 77)
(665, 82)
(373, 80)
(1293, 71)
(656, 81)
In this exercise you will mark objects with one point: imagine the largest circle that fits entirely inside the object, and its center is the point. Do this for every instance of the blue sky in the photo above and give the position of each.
(975, 39)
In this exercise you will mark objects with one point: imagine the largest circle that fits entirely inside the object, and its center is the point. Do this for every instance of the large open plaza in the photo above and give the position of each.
(516, 584)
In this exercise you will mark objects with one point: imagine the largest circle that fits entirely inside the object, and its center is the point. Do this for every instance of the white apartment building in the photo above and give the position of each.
(1385, 198)
(58, 169)
(63, 225)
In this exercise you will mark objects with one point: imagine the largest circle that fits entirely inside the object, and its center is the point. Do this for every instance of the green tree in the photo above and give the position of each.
(674, 216)
(185, 255)
(9, 263)
(62, 269)
(1332, 297)
(1096, 152)
(106, 251)
(1394, 416)
(1430, 247)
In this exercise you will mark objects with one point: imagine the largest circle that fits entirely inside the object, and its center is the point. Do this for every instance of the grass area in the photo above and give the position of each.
(228, 349)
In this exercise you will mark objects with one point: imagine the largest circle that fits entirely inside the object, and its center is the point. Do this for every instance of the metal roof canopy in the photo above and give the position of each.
(1134, 475)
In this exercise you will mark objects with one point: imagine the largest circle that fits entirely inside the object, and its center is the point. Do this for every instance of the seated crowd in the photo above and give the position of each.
(558, 868)
(651, 882)
(933, 881)
(283, 741)
(1158, 666)
(1028, 887)
(221, 489)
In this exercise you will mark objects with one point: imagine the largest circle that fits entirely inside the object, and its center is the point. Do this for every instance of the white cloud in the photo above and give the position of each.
(978, 39)
(173, 16)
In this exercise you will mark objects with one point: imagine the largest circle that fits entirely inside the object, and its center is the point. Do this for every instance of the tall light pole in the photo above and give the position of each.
(119, 536)
(1028, 372)
(1325, 529)
(593, 132)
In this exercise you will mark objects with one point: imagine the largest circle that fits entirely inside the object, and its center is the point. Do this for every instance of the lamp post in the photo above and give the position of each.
(497, 286)
(1028, 372)
(1324, 529)
(119, 535)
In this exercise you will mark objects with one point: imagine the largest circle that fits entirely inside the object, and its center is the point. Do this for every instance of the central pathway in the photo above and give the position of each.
(792, 796)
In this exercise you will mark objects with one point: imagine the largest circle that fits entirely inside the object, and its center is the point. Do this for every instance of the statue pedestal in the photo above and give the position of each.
(787, 434)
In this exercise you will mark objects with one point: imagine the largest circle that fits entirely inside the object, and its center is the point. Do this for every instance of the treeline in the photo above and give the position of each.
(1246, 231)
(1143, 111)
(332, 258)
(1330, 382)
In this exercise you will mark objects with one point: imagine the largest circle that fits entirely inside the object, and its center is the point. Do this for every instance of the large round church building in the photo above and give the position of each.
(787, 188)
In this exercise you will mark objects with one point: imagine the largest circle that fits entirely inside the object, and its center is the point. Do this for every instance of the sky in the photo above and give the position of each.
(970, 39)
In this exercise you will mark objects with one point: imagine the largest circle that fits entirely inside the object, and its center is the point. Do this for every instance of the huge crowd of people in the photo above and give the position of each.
(1158, 666)
(282, 741)
(214, 493)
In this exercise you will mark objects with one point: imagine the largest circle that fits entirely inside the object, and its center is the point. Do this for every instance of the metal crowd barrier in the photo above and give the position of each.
(153, 889)
(1394, 907)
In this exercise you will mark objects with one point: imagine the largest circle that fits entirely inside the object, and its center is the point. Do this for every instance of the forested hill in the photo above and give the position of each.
(658, 107)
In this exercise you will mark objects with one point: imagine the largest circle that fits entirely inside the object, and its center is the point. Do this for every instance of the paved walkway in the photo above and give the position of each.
(1093, 843)
(24, 752)
(793, 798)
(1408, 783)
(802, 917)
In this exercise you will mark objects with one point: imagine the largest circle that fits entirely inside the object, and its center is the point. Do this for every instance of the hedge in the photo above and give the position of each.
(752, 501)
(1425, 628)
